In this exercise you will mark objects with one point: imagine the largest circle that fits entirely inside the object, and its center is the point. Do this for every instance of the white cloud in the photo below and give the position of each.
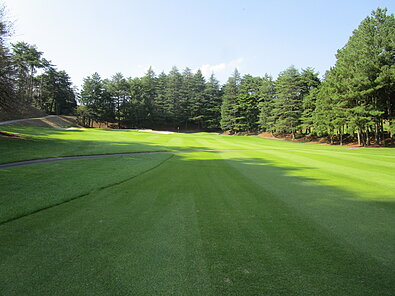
(208, 69)
(142, 70)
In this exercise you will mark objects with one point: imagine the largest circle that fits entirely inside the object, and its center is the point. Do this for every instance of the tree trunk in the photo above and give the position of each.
(367, 137)
(359, 137)
(382, 136)
(51, 107)
(376, 134)
(119, 115)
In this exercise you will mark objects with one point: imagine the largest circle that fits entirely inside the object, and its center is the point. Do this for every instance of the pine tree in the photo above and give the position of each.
(247, 102)
(55, 94)
(8, 98)
(288, 103)
(187, 96)
(266, 94)
(363, 82)
(174, 97)
(97, 99)
(118, 88)
(148, 83)
(310, 83)
(199, 101)
(161, 110)
(212, 108)
(228, 111)
(27, 60)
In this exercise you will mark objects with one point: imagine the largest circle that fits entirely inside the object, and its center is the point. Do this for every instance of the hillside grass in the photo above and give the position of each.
(267, 218)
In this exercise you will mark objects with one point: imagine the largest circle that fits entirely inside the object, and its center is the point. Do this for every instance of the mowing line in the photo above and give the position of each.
(85, 194)
(52, 159)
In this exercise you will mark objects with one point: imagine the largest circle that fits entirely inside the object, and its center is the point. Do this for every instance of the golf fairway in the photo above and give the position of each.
(254, 217)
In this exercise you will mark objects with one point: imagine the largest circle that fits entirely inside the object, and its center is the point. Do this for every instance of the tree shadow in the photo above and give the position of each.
(246, 225)
(43, 143)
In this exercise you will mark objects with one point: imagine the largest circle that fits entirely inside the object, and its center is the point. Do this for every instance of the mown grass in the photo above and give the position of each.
(279, 219)
(41, 142)
(32, 188)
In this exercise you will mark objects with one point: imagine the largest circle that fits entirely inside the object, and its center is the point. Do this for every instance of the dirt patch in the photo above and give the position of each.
(286, 137)
(347, 140)
(233, 133)
(266, 135)
(19, 110)
(227, 133)
(46, 121)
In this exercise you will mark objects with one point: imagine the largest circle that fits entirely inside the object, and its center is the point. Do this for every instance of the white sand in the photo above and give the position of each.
(156, 132)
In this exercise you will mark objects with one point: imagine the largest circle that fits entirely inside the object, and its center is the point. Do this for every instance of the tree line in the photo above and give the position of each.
(353, 101)
(174, 100)
(28, 79)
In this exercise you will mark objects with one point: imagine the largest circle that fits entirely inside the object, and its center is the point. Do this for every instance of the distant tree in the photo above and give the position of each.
(118, 89)
(266, 94)
(212, 108)
(308, 108)
(362, 81)
(84, 115)
(97, 99)
(198, 101)
(148, 94)
(27, 59)
(174, 97)
(55, 94)
(161, 102)
(135, 108)
(187, 97)
(228, 108)
(309, 89)
(288, 103)
(7, 88)
(247, 102)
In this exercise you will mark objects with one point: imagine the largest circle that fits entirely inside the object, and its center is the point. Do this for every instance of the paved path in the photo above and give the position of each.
(52, 159)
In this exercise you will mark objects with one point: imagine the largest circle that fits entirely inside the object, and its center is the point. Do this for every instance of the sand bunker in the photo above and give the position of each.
(156, 132)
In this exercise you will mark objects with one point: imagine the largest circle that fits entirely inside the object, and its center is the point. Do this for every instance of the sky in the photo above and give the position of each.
(217, 36)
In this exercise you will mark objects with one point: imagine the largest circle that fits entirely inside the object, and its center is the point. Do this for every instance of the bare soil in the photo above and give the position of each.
(321, 140)
(47, 121)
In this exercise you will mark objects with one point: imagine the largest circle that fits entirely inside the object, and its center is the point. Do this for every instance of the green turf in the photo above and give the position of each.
(279, 219)
(44, 142)
(32, 188)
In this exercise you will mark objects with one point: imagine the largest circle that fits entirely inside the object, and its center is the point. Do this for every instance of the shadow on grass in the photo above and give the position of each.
(198, 224)
(43, 146)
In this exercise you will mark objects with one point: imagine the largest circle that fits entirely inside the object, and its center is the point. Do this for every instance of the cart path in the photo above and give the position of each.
(53, 159)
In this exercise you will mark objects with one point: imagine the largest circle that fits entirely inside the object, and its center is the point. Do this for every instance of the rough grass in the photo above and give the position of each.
(282, 219)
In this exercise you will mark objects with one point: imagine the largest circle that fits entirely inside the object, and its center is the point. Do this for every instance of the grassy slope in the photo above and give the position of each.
(288, 219)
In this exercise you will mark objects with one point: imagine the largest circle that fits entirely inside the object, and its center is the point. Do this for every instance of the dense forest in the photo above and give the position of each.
(354, 101)
(174, 100)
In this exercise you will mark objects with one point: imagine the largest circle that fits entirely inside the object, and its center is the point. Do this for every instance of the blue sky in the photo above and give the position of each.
(257, 37)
